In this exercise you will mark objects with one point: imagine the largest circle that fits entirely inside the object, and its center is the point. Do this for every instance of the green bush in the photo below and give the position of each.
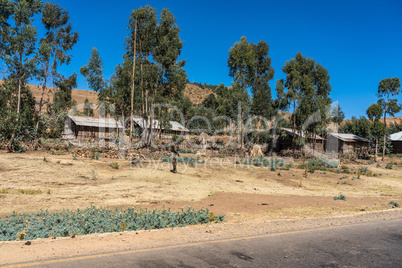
(43, 224)
(389, 165)
(340, 197)
(114, 165)
(394, 204)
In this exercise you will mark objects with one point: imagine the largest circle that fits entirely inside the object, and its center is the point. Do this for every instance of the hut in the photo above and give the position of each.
(346, 143)
(173, 128)
(283, 140)
(396, 140)
(80, 130)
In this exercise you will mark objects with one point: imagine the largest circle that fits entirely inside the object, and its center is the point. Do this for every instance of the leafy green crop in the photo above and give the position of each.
(43, 224)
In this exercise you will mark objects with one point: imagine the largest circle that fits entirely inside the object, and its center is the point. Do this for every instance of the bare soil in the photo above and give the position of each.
(254, 199)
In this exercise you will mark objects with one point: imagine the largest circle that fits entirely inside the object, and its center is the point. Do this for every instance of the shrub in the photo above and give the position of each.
(394, 204)
(378, 166)
(114, 165)
(4, 191)
(67, 223)
(370, 162)
(314, 164)
(57, 152)
(389, 165)
(345, 169)
(75, 158)
(45, 160)
(340, 197)
(365, 171)
(29, 192)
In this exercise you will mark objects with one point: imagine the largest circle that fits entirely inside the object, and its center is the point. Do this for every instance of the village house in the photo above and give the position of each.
(396, 140)
(83, 130)
(346, 143)
(173, 128)
(283, 140)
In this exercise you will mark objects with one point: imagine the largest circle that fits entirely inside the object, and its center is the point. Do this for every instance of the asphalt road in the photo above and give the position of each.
(377, 244)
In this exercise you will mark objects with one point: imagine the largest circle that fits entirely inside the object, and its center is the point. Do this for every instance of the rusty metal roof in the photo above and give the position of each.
(101, 122)
(349, 137)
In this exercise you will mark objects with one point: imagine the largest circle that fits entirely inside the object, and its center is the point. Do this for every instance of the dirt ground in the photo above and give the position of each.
(246, 195)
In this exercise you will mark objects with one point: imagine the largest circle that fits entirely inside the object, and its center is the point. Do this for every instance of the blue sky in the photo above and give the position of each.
(359, 42)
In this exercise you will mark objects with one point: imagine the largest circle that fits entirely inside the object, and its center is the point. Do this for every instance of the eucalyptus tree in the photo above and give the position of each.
(241, 63)
(157, 73)
(18, 45)
(53, 51)
(374, 113)
(388, 88)
(306, 91)
(263, 72)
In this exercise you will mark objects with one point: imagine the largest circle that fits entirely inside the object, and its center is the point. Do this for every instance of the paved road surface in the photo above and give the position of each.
(377, 244)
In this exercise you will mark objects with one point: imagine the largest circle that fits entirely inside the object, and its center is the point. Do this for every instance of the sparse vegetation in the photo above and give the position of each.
(340, 197)
(114, 165)
(394, 204)
(389, 165)
(97, 220)
(29, 191)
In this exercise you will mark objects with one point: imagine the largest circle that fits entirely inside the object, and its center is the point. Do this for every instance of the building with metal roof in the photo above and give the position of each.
(346, 143)
(396, 140)
(79, 130)
(142, 124)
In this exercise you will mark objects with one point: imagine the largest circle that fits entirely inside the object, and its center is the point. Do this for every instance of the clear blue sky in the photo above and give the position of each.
(359, 42)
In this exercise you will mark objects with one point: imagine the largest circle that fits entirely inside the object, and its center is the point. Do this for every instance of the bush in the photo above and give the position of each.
(114, 165)
(345, 169)
(57, 152)
(43, 224)
(340, 197)
(394, 204)
(370, 162)
(314, 164)
(389, 165)
(365, 171)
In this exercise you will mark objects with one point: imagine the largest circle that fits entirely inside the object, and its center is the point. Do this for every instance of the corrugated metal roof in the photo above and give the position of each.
(290, 132)
(95, 121)
(396, 136)
(349, 137)
(176, 126)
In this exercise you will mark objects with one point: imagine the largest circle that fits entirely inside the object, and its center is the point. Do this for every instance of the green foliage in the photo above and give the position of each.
(345, 169)
(314, 164)
(177, 138)
(97, 220)
(364, 171)
(57, 151)
(94, 175)
(186, 151)
(44, 159)
(75, 158)
(4, 191)
(29, 191)
(370, 162)
(378, 165)
(114, 165)
(394, 204)
(390, 165)
(273, 163)
(340, 197)
(184, 159)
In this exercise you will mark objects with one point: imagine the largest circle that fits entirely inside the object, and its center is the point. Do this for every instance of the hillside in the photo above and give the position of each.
(194, 92)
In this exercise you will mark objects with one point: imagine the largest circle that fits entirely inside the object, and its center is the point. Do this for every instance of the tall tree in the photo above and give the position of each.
(307, 94)
(261, 102)
(386, 89)
(374, 113)
(59, 39)
(18, 38)
(241, 63)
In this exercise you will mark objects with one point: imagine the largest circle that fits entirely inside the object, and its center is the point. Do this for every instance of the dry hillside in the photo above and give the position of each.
(194, 92)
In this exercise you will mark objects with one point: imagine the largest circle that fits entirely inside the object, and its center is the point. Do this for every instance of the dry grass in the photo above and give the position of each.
(72, 186)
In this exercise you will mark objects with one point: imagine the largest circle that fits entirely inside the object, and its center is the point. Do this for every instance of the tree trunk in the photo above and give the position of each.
(385, 134)
(41, 98)
(376, 149)
(132, 88)
(10, 143)
(294, 127)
